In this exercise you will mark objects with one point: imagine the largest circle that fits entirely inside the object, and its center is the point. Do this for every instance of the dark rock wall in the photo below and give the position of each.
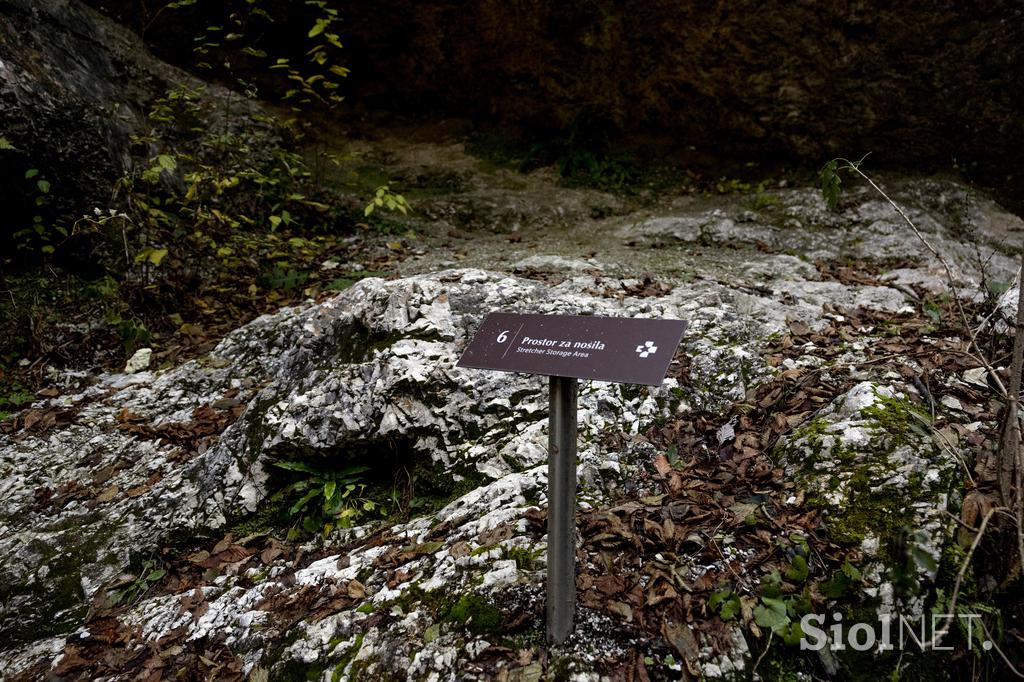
(915, 81)
(73, 86)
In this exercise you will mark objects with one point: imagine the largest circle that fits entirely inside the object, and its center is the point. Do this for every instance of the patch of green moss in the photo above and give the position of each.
(631, 392)
(473, 613)
(294, 670)
(414, 597)
(514, 463)
(483, 549)
(519, 396)
(357, 344)
(866, 511)
(872, 506)
(360, 671)
(868, 507)
(292, 637)
(13, 397)
(899, 419)
(271, 514)
(434, 486)
(56, 604)
(560, 667)
(812, 432)
(470, 431)
(346, 657)
(469, 612)
(531, 497)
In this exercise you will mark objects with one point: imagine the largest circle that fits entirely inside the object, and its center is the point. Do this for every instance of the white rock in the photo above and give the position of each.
(952, 403)
(554, 263)
(505, 572)
(139, 361)
(977, 376)
(373, 367)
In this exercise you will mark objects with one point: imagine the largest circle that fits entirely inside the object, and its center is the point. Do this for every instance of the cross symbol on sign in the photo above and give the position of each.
(646, 348)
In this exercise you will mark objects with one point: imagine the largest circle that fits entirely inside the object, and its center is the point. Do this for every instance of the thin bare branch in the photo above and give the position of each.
(940, 634)
(988, 318)
(854, 166)
(1010, 455)
(1011, 666)
(766, 647)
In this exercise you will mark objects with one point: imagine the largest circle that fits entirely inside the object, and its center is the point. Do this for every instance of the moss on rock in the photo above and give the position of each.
(869, 462)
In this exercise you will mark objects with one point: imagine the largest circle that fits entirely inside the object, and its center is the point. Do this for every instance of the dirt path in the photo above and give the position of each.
(471, 212)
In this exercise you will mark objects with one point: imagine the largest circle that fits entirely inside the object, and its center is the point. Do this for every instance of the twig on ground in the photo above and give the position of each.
(771, 633)
(952, 452)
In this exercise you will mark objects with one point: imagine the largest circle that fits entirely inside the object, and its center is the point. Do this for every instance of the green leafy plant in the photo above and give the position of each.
(830, 180)
(180, 109)
(13, 397)
(725, 603)
(283, 278)
(383, 197)
(841, 581)
(347, 280)
(588, 168)
(42, 233)
(525, 557)
(473, 613)
(727, 185)
(967, 620)
(161, 163)
(780, 612)
(211, 183)
(316, 81)
(240, 41)
(761, 198)
(781, 603)
(328, 498)
(133, 587)
(133, 332)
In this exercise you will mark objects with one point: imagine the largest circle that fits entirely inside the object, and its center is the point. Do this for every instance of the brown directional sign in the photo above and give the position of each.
(623, 350)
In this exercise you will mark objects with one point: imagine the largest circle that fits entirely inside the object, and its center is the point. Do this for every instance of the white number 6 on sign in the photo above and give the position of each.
(503, 337)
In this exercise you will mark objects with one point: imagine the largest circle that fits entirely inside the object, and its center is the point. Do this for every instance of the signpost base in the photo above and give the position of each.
(567, 348)
(561, 587)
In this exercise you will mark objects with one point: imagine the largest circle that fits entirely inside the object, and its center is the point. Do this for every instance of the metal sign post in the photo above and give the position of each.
(561, 606)
(567, 348)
